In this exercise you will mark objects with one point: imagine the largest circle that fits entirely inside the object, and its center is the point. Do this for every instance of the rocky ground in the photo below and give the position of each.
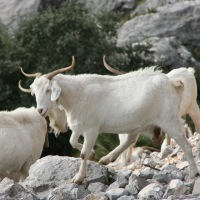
(152, 176)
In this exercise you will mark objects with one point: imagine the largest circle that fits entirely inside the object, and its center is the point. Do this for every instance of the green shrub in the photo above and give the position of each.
(50, 39)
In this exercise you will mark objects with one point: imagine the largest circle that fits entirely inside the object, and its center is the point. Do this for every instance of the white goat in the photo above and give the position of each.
(97, 104)
(22, 137)
(188, 105)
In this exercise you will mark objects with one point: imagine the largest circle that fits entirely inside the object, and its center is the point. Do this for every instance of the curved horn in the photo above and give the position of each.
(109, 68)
(30, 75)
(52, 74)
(23, 89)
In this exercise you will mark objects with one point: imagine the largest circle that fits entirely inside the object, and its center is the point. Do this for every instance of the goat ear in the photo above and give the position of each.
(55, 91)
(32, 93)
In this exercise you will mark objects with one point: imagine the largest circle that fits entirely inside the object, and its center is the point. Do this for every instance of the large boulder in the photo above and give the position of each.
(52, 173)
(180, 20)
(11, 10)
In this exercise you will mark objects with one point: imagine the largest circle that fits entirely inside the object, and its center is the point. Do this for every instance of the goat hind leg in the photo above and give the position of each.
(194, 113)
(112, 156)
(177, 133)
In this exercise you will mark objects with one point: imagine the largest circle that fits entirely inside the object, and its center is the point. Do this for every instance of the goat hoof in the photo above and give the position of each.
(77, 179)
(104, 161)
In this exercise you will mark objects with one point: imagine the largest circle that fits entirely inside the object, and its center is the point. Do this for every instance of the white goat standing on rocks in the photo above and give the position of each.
(188, 105)
(22, 138)
(97, 104)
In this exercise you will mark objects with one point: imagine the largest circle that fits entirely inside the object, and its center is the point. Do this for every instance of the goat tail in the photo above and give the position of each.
(177, 82)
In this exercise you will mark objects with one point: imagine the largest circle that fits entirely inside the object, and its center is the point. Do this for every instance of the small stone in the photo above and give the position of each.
(175, 187)
(182, 165)
(151, 191)
(114, 194)
(196, 187)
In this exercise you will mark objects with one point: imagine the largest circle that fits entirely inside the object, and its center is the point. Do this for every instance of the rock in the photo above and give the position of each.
(189, 186)
(114, 194)
(53, 171)
(136, 183)
(14, 191)
(167, 20)
(196, 189)
(149, 161)
(165, 27)
(57, 194)
(110, 5)
(147, 173)
(126, 198)
(79, 192)
(121, 179)
(151, 191)
(182, 165)
(11, 10)
(171, 51)
(95, 197)
(97, 187)
(175, 187)
(168, 173)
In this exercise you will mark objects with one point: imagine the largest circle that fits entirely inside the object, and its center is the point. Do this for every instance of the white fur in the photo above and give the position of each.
(188, 98)
(22, 137)
(57, 119)
(130, 103)
(181, 77)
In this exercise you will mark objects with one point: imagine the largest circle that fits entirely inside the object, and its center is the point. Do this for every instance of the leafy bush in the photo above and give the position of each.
(50, 39)
(9, 98)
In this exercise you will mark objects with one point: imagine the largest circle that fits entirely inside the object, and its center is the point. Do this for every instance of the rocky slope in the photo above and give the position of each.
(153, 176)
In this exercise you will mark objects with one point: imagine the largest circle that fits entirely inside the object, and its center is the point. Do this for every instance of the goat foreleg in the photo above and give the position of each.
(75, 144)
(89, 142)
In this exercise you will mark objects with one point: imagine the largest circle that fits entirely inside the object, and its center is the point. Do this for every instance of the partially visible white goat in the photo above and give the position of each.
(188, 98)
(22, 137)
(97, 104)
(188, 105)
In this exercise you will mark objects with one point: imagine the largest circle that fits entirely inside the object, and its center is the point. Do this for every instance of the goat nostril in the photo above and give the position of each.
(40, 111)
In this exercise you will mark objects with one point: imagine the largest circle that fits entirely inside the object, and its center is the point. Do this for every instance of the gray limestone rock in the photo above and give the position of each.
(175, 187)
(151, 191)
